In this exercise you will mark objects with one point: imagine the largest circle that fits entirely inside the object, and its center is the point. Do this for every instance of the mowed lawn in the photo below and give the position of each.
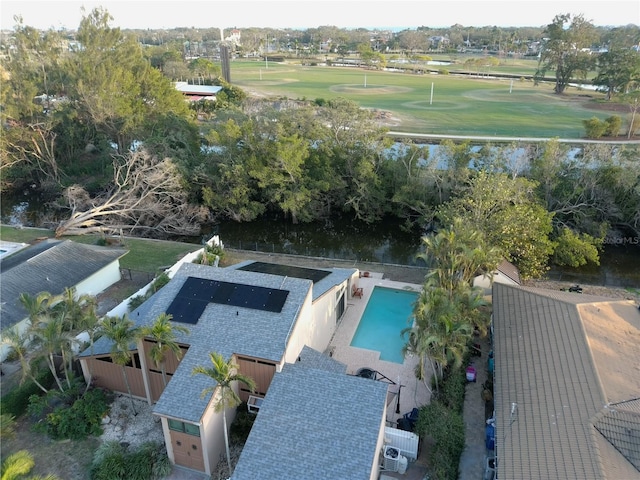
(433, 103)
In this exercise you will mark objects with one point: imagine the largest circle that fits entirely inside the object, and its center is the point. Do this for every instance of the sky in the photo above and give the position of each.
(302, 14)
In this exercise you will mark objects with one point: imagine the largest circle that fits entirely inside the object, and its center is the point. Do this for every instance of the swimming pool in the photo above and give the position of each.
(387, 313)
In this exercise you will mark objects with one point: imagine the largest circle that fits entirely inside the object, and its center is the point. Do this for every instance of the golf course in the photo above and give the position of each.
(436, 102)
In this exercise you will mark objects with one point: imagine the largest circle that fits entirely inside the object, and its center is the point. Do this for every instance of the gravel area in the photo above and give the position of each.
(122, 425)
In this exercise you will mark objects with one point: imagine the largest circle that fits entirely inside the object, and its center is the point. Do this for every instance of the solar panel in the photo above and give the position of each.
(286, 271)
(197, 293)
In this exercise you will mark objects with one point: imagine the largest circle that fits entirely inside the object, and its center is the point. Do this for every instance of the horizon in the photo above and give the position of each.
(307, 14)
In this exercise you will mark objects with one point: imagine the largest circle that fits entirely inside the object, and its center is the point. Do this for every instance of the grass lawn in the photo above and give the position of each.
(145, 255)
(459, 105)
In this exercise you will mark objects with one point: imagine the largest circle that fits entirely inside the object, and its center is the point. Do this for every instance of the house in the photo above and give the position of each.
(193, 93)
(51, 266)
(566, 385)
(260, 314)
(316, 422)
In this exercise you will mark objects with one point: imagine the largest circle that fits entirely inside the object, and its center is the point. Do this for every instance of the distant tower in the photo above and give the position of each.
(224, 60)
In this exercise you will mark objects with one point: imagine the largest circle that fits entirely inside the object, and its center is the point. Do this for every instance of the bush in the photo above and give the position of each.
(452, 391)
(15, 402)
(159, 282)
(613, 126)
(112, 461)
(446, 427)
(595, 128)
(81, 419)
(242, 424)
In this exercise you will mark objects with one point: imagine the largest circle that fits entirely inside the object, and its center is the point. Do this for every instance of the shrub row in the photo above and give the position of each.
(113, 461)
(442, 420)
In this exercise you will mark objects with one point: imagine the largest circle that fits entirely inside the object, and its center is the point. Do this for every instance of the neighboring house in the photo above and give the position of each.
(260, 314)
(566, 385)
(506, 273)
(316, 422)
(51, 266)
(194, 93)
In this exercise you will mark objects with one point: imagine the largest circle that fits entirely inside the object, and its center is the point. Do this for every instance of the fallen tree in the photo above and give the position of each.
(146, 198)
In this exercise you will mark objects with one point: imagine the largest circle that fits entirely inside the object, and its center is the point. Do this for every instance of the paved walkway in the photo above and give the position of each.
(473, 459)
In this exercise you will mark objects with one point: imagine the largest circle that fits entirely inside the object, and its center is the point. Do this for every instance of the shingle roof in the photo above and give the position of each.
(314, 423)
(545, 365)
(225, 330)
(49, 266)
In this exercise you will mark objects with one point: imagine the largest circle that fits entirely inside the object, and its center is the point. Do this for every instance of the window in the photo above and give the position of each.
(188, 428)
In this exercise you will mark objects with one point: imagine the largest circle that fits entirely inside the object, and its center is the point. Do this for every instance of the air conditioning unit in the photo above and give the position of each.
(391, 458)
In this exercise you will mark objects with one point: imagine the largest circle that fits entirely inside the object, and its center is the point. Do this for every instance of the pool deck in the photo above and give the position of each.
(413, 392)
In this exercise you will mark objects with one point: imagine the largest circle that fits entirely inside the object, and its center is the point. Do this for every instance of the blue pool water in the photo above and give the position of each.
(387, 313)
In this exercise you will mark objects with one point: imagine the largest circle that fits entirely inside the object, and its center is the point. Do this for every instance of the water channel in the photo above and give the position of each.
(385, 242)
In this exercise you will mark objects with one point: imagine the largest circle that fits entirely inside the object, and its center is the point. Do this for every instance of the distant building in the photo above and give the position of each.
(194, 93)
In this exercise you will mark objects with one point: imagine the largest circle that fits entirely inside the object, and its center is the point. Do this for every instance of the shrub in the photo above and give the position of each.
(443, 71)
(595, 128)
(613, 126)
(112, 461)
(17, 400)
(242, 424)
(81, 419)
(452, 390)
(159, 282)
(446, 427)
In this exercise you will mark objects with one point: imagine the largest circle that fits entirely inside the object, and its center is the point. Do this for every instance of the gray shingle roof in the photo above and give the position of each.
(223, 329)
(314, 423)
(49, 266)
(544, 363)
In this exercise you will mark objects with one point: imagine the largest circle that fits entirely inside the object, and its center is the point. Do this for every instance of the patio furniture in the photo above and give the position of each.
(357, 291)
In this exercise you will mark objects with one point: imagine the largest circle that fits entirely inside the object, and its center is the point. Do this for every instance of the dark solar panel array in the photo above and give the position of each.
(286, 271)
(197, 293)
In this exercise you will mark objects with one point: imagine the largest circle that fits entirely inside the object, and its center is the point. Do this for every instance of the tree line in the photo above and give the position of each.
(114, 147)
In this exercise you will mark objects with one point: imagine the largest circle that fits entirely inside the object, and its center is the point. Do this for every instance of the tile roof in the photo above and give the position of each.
(510, 271)
(223, 329)
(315, 423)
(544, 364)
(48, 266)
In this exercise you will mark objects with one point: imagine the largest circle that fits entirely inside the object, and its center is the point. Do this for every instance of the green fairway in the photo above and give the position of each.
(458, 106)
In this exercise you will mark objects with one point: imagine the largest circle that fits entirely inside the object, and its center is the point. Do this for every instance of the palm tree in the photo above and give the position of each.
(90, 323)
(162, 332)
(122, 332)
(75, 308)
(224, 373)
(50, 334)
(36, 305)
(18, 343)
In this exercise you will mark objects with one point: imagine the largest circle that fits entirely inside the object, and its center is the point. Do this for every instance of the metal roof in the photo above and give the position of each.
(551, 382)
(315, 422)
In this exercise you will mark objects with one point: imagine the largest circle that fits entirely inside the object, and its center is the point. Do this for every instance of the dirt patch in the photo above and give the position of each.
(67, 459)
(609, 292)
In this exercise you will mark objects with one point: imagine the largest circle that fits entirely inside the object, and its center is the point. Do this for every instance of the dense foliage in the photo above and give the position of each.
(70, 418)
(442, 422)
(115, 461)
(96, 124)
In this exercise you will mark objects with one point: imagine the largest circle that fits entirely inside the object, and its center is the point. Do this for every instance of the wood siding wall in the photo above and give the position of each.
(261, 371)
(109, 375)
